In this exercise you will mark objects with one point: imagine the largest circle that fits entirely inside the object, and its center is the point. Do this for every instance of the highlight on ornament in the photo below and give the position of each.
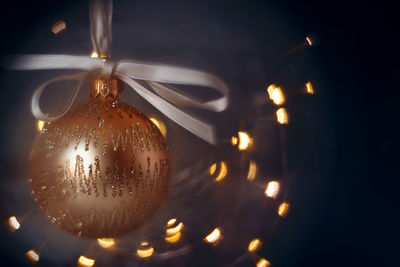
(263, 263)
(272, 189)
(13, 223)
(282, 116)
(85, 261)
(106, 242)
(40, 125)
(283, 209)
(160, 125)
(32, 255)
(275, 94)
(254, 245)
(214, 236)
(252, 172)
(309, 88)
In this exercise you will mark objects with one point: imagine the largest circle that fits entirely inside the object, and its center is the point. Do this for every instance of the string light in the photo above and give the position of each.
(254, 245)
(272, 189)
(85, 261)
(214, 236)
(251, 174)
(244, 140)
(283, 209)
(174, 230)
(275, 94)
(13, 223)
(173, 238)
(263, 263)
(281, 116)
(145, 253)
(171, 222)
(212, 169)
(106, 242)
(223, 171)
(32, 255)
(309, 88)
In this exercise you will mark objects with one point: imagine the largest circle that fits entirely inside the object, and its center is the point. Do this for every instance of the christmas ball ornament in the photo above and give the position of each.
(103, 168)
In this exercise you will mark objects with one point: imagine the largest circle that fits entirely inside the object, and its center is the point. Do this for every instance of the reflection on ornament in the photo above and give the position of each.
(272, 189)
(281, 116)
(275, 94)
(283, 209)
(263, 263)
(251, 174)
(13, 223)
(85, 261)
(106, 242)
(102, 169)
(254, 245)
(160, 125)
(39, 125)
(309, 88)
(214, 236)
(32, 255)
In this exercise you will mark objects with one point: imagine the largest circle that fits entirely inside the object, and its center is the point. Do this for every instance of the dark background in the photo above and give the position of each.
(352, 219)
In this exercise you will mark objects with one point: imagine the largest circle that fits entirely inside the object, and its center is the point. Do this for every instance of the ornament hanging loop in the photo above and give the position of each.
(100, 26)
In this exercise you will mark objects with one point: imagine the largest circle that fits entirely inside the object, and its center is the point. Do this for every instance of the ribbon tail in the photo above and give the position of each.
(35, 104)
(193, 125)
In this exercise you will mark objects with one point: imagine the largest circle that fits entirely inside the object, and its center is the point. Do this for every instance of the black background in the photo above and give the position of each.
(356, 220)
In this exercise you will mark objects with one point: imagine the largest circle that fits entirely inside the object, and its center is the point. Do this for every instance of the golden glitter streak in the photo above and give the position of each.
(214, 236)
(252, 173)
(309, 88)
(39, 125)
(160, 125)
(13, 223)
(272, 189)
(94, 55)
(85, 261)
(263, 263)
(59, 27)
(281, 116)
(275, 94)
(106, 242)
(32, 255)
(254, 245)
(283, 209)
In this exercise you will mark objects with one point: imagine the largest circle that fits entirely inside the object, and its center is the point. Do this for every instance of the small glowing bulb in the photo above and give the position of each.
(40, 124)
(94, 55)
(214, 236)
(251, 174)
(275, 94)
(32, 255)
(309, 88)
(234, 140)
(244, 140)
(145, 253)
(263, 263)
(106, 242)
(160, 125)
(212, 169)
(283, 209)
(281, 116)
(13, 223)
(85, 261)
(272, 189)
(171, 222)
(254, 245)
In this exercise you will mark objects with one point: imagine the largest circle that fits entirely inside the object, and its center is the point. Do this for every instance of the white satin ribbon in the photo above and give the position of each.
(129, 71)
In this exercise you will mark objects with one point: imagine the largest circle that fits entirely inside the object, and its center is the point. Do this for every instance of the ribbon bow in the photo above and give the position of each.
(129, 71)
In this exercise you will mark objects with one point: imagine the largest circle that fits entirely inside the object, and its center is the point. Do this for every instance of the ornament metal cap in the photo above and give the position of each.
(105, 88)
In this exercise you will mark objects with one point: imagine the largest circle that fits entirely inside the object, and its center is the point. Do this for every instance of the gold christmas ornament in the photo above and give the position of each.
(103, 168)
